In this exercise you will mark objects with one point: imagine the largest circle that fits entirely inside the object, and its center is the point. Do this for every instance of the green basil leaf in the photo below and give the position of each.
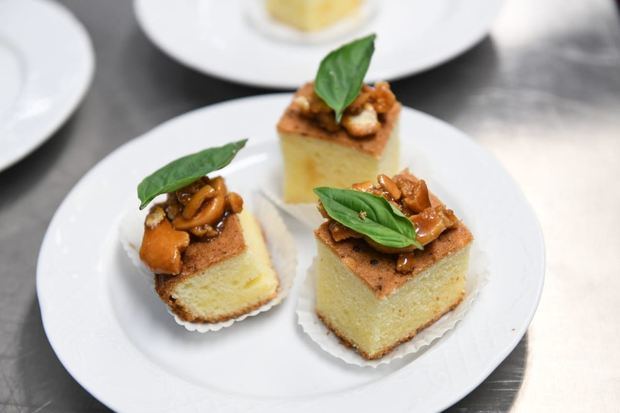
(370, 215)
(186, 170)
(341, 74)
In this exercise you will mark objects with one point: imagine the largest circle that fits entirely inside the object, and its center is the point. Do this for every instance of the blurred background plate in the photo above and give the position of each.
(46, 67)
(221, 38)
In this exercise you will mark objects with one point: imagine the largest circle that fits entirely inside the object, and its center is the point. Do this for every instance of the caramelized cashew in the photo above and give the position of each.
(302, 104)
(363, 186)
(430, 223)
(405, 263)
(184, 195)
(155, 216)
(448, 217)
(204, 231)
(218, 184)
(339, 232)
(209, 214)
(234, 202)
(418, 200)
(194, 204)
(362, 124)
(173, 208)
(384, 99)
(162, 246)
(389, 186)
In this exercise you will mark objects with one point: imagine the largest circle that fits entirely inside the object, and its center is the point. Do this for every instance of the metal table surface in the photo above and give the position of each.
(542, 92)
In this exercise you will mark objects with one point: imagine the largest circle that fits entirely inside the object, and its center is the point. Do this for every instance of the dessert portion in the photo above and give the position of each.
(311, 15)
(318, 151)
(331, 137)
(376, 292)
(208, 254)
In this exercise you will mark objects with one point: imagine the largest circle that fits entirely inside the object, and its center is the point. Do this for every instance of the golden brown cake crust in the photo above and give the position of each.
(201, 255)
(391, 347)
(378, 270)
(292, 122)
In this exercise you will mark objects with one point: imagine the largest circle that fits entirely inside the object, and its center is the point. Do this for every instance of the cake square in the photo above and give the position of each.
(314, 156)
(222, 278)
(310, 15)
(370, 306)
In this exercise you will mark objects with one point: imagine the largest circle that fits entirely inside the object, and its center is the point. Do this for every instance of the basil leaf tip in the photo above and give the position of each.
(341, 74)
(370, 215)
(185, 170)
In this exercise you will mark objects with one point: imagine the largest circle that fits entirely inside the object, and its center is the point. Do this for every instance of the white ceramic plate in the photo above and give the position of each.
(46, 66)
(115, 337)
(218, 38)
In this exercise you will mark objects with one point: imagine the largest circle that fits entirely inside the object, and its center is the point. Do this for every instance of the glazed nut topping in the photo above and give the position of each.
(405, 263)
(199, 209)
(234, 202)
(365, 186)
(209, 213)
(302, 104)
(205, 230)
(339, 232)
(363, 123)
(411, 196)
(155, 216)
(431, 222)
(162, 247)
(361, 119)
(389, 186)
(196, 201)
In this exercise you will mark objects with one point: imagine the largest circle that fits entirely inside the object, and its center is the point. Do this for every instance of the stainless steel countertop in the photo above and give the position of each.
(542, 93)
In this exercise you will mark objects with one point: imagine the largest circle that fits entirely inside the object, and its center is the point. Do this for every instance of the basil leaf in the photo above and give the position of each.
(369, 215)
(341, 74)
(186, 170)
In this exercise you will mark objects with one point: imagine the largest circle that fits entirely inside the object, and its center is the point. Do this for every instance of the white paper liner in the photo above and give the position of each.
(258, 16)
(307, 214)
(327, 340)
(280, 244)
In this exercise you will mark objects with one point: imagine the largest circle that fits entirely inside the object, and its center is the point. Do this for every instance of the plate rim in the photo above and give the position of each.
(499, 356)
(73, 98)
(139, 6)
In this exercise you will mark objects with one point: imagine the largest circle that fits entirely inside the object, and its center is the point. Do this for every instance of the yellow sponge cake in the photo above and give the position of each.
(223, 278)
(375, 298)
(311, 15)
